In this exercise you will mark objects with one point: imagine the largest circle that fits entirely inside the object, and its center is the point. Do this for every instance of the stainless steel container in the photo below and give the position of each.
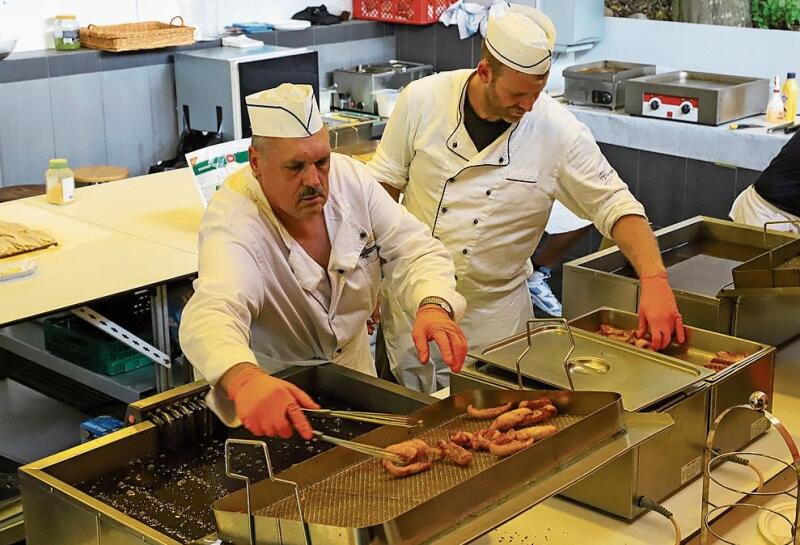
(58, 509)
(696, 97)
(360, 82)
(729, 387)
(647, 381)
(655, 469)
(699, 254)
(601, 83)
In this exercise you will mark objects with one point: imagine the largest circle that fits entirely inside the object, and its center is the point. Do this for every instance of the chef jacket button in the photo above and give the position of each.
(451, 180)
(475, 221)
(502, 160)
(456, 276)
(455, 145)
(488, 192)
(338, 350)
(363, 235)
(340, 271)
(465, 251)
(444, 210)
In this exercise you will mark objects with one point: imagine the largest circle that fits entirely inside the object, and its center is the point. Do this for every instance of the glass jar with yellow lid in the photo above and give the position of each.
(66, 33)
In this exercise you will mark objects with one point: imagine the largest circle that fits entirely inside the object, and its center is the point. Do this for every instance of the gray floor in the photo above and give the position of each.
(34, 426)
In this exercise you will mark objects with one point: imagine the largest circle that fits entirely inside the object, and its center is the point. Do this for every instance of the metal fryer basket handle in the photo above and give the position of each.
(568, 365)
(250, 519)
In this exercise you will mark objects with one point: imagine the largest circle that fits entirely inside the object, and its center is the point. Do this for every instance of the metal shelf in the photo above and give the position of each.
(26, 339)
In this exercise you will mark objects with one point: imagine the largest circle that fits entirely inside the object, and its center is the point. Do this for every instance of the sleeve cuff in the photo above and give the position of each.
(619, 205)
(215, 367)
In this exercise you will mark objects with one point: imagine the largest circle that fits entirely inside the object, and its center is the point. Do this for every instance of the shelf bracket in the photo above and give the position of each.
(123, 335)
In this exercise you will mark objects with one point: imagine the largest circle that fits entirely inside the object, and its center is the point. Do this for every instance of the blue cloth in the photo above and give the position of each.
(252, 27)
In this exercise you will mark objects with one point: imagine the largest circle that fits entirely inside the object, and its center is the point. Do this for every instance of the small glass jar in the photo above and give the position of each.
(66, 33)
(60, 182)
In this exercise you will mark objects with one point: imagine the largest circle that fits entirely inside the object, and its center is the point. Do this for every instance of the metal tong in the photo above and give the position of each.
(369, 450)
(382, 419)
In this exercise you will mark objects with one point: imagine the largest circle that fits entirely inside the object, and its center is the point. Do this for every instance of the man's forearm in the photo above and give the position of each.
(636, 240)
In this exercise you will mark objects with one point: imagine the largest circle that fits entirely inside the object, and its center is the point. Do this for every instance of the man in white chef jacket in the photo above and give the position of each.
(292, 250)
(480, 156)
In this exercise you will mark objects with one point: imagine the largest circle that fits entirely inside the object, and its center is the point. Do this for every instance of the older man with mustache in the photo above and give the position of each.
(292, 252)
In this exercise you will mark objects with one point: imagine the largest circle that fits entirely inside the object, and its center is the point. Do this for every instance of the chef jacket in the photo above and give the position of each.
(489, 208)
(259, 291)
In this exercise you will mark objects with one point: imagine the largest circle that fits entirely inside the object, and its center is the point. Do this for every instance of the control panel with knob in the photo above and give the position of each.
(670, 107)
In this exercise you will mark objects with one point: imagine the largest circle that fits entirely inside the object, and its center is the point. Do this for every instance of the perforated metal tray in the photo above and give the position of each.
(348, 498)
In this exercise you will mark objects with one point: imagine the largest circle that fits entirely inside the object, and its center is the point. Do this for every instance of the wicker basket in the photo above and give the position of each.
(136, 36)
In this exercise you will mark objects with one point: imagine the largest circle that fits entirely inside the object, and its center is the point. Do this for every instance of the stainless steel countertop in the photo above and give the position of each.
(746, 148)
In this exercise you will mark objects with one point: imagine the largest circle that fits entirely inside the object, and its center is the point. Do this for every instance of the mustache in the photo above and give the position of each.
(308, 192)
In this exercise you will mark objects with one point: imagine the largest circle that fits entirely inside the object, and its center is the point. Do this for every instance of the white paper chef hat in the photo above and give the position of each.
(521, 37)
(286, 111)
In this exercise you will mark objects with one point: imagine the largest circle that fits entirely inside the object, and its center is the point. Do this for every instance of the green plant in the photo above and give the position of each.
(778, 14)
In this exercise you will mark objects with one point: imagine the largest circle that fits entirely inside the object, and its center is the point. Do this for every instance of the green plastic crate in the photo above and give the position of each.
(71, 338)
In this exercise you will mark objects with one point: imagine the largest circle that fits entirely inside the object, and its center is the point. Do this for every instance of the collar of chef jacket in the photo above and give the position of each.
(347, 242)
(459, 142)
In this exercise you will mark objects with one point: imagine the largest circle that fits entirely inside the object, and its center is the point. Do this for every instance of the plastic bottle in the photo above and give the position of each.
(775, 104)
(60, 182)
(789, 95)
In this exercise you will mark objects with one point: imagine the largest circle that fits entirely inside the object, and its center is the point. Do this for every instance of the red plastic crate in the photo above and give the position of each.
(410, 12)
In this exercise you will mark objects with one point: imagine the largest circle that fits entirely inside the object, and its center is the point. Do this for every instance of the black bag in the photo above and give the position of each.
(190, 140)
(317, 15)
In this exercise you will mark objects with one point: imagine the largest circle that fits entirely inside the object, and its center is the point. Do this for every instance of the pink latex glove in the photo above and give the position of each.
(658, 311)
(270, 406)
(434, 324)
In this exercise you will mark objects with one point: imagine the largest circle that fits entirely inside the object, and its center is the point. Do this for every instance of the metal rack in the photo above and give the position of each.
(757, 403)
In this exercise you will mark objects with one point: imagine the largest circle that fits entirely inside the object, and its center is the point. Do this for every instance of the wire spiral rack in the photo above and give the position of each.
(712, 457)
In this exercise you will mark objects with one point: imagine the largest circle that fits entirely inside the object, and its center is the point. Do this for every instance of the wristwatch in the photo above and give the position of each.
(433, 300)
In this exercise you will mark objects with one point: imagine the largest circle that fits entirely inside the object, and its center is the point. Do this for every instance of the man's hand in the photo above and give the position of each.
(375, 318)
(658, 311)
(267, 405)
(434, 324)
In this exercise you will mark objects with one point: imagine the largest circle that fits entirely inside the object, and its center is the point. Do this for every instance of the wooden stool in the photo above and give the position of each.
(14, 192)
(99, 174)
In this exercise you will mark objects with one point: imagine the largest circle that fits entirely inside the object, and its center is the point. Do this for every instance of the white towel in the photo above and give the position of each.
(470, 17)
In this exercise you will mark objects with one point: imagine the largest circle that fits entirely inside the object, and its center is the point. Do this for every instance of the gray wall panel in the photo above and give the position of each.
(78, 120)
(331, 57)
(26, 138)
(128, 118)
(164, 114)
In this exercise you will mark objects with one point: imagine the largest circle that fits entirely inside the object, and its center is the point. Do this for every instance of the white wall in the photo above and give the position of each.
(30, 20)
(707, 48)
(686, 46)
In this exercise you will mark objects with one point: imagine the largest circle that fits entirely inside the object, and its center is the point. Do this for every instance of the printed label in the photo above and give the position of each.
(68, 189)
(70, 36)
(758, 427)
(691, 469)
